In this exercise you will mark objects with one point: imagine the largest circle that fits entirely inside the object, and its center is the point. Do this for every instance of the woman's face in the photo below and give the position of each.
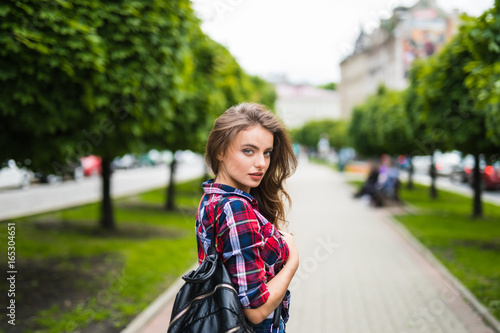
(247, 159)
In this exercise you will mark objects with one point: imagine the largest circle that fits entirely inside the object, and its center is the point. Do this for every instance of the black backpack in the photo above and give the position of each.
(208, 301)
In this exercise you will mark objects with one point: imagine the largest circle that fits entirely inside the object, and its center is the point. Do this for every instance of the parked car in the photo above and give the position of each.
(127, 161)
(446, 163)
(151, 158)
(421, 164)
(91, 165)
(461, 171)
(70, 170)
(490, 176)
(13, 176)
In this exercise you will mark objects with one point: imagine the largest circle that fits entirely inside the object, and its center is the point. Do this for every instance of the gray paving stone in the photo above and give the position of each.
(366, 278)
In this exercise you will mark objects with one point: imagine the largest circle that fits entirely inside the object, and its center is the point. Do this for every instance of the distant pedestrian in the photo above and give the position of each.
(251, 155)
(388, 181)
(369, 188)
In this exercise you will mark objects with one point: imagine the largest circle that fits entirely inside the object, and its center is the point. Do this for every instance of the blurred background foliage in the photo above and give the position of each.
(334, 130)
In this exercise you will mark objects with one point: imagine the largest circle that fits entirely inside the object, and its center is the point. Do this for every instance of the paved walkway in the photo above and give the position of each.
(357, 274)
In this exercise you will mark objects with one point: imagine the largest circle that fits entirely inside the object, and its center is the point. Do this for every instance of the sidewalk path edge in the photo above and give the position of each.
(145, 316)
(428, 255)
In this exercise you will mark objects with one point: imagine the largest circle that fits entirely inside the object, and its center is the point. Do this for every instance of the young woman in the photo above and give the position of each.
(250, 153)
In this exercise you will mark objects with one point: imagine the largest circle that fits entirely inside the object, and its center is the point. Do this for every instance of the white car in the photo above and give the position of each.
(11, 176)
(421, 164)
(446, 163)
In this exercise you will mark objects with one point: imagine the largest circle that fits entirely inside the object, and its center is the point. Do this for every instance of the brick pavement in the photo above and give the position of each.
(357, 274)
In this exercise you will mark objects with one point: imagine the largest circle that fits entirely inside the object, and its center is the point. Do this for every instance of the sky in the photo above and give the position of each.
(303, 40)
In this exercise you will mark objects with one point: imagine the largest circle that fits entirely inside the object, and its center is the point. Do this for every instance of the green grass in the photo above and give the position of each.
(469, 248)
(77, 276)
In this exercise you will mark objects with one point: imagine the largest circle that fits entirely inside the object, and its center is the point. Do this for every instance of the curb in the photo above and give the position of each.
(481, 310)
(139, 322)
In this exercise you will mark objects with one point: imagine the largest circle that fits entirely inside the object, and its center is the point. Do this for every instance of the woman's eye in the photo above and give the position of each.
(267, 153)
(247, 151)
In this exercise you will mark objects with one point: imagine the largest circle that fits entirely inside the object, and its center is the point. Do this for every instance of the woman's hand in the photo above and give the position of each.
(293, 259)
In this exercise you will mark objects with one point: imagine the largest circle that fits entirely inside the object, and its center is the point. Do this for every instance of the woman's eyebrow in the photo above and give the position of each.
(254, 146)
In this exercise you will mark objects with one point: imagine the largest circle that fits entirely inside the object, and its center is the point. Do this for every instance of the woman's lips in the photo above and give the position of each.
(256, 176)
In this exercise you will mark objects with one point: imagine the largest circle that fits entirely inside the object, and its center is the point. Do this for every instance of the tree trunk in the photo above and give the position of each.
(170, 202)
(107, 215)
(433, 174)
(410, 174)
(477, 209)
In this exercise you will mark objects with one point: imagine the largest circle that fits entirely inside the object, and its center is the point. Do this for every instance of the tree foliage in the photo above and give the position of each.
(380, 124)
(455, 112)
(219, 83)
(310, 133)
(481, 37)
(422, 143)
(90, 77)
(109, 78)
(449, 108)
(329, 86)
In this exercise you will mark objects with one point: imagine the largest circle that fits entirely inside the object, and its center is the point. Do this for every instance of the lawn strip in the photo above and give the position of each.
(74, 276)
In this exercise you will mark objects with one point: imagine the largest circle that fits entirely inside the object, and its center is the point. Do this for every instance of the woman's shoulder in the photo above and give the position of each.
(234, 204)
(237, 213)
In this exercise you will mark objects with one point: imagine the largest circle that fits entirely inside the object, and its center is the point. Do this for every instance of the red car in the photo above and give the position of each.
(91, 165)
(490, 175)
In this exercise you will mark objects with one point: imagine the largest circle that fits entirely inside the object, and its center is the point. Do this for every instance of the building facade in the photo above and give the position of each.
(385, 55)
(297, 104)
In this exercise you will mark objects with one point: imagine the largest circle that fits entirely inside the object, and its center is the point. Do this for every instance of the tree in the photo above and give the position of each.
(310, 133)
(481, 37)
(337, 135)
(329, 86)
(424, 142)
(360, 130)
(379, 126)
(201, 102)
(90, 78)
(220, 83)
(450, 111)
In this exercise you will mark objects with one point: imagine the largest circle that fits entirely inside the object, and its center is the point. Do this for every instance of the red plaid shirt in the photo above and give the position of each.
(253, 251)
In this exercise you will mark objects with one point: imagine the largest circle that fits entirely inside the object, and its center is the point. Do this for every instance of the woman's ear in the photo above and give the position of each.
(220, 156)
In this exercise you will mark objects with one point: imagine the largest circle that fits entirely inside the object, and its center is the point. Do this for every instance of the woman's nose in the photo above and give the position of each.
(260, 161)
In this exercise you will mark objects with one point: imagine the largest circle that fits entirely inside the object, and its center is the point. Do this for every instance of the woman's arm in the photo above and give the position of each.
(278, 286)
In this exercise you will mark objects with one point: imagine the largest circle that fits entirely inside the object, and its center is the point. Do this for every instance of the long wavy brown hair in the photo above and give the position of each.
(270, 194)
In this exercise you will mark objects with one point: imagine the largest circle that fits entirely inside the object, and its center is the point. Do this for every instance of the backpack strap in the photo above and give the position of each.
(212, 249)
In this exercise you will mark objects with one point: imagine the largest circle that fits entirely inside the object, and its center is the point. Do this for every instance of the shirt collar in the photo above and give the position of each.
(215, 188)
